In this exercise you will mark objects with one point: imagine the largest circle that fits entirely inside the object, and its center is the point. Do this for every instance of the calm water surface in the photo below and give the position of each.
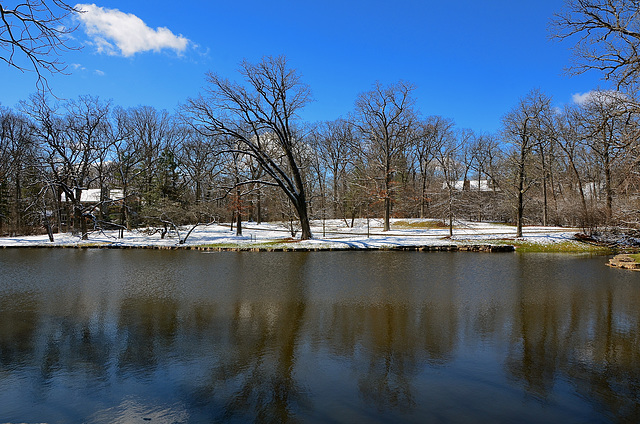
(104, 336)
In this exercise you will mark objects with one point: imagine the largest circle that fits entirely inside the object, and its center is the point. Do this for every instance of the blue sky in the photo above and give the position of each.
(470, 60)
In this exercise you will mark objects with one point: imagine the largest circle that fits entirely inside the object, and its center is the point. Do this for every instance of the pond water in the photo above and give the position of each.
(108, 336)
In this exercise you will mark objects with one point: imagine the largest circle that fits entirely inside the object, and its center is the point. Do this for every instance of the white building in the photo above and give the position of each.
(471, 185)
(92, 195)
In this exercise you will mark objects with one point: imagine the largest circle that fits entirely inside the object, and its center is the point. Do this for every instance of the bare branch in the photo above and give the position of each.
(607, 34)
(33, 34)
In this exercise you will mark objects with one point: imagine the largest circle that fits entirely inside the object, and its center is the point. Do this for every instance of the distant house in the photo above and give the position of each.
(472, 185)
(90, 200)
(92, 195)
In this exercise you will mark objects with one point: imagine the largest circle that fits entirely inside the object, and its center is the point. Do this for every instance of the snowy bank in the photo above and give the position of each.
(405, 234)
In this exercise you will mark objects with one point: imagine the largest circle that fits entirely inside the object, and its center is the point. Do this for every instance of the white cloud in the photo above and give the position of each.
(597, 96)
(115, 32)
(581, 98)
(99, 72)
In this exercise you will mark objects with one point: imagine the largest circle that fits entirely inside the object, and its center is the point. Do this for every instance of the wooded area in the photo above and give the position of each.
(84, 164)
(239, 151)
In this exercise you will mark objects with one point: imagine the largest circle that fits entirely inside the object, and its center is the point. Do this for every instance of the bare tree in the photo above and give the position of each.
(570, 141)
(334, 142)
(608, 125)
(71, 144)
(89, 127)
(447, 156)
(154, 133)
(260, 115)
(467, 155)
(608, 37)
(384, 116)
(256, 190)
(33, 33)
(544, 152)
(524, 129)
(16, 158)
(485, 152)
(200, 161)
(431, 134)
(234, 171)
(128, 156)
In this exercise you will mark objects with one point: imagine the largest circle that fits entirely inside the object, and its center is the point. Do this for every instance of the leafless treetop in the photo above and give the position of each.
(33, 34)
(608, 37)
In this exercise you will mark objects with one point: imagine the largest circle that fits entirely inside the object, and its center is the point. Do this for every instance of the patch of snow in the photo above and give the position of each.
(337, 234)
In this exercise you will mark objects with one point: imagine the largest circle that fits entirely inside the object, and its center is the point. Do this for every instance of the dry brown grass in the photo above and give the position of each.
(419, 224)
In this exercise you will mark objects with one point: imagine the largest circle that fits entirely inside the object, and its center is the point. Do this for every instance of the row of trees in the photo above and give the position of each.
(240, 148)
(239, 152)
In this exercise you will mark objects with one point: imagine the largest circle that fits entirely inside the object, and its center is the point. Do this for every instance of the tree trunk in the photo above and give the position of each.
(423, 196)
(238, 224)
(545, 206)
(77, 210)
(122, 220)
(58, 202)
(387, 214)
(607, 185)
(520, 204)
(519, 214)
(259, 206)
(17, 205)
(124, 215)
(238, 207)
(335, 196)
(299, 199)
(305, 226)
(450, 211)
(104, 195)
(479, 203)
(387, 200)
(583, 199)
(47, 224)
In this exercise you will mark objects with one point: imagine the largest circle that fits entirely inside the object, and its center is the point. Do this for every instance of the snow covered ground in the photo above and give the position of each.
(334, 234)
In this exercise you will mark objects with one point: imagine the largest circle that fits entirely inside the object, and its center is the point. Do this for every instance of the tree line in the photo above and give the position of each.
(239, 151)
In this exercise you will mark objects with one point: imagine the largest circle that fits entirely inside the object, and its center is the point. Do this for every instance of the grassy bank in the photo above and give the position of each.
(560, 247)
(520, 245)
(431, 224)
(635, 257)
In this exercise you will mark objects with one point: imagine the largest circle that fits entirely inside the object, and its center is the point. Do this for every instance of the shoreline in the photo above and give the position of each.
(489, 248)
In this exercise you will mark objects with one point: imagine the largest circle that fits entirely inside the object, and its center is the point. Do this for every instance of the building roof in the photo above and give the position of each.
(92, 195)
(471, 185)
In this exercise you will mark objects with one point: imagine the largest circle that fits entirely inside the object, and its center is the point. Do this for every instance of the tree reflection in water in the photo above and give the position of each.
(255, 371)
(312, 337)
(584, 330)
(18, 329)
